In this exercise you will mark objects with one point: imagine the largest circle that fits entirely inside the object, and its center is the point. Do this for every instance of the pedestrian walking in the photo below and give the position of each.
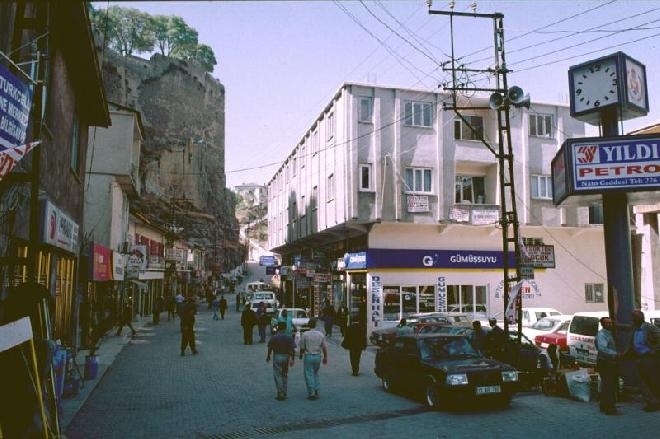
(355, 343)
(495, 339)
(645, 350)
(342, 319)
(170, 305)
(478, 337)
(248, 320)
(607, 365)
(328, 315)
(262, 321)
(283, 348)
(187, 315)
(215, 304)
(312, 345)
(223, 306)
(179, 299)
(403, 329)
(158, 308)
(238, 302)
(287, 320)
(126, 318)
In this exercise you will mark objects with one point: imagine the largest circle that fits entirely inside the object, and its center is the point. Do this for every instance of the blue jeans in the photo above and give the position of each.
(280, 372)
(312, 366)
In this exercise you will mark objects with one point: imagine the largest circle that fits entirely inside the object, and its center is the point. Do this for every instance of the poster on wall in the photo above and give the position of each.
(136, 261)
(118, 264)
(442, 294)
(101, 263)
(58, 229)
(376, 297)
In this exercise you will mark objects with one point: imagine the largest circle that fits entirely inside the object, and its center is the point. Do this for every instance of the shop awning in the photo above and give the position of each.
(140, 285)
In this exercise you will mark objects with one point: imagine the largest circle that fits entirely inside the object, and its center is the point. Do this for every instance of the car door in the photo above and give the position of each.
(409, 366)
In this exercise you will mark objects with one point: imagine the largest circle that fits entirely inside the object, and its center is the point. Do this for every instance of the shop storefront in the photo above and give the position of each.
(97, 307)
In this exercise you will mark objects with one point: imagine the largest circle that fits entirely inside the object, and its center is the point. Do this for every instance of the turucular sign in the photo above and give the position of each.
(596, 165)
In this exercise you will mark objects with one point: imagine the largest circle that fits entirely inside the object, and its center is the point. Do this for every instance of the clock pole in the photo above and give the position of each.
(618, 254)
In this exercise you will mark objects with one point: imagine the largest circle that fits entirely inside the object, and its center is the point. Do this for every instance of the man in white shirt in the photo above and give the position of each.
(312, 345)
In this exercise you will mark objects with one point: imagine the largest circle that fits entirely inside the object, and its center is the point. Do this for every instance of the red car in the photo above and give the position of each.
(556, 338)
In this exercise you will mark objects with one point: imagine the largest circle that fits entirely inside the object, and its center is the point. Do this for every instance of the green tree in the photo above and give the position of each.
(126, 30)
(205, 56)
(182, 39)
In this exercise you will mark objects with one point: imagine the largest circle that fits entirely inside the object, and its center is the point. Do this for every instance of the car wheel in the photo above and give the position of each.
(431, 396)
(388, 385)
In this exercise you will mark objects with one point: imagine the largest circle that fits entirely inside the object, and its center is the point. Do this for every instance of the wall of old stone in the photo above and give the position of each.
(183, 154)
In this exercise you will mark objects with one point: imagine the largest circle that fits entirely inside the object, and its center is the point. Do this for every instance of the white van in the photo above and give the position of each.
(581, 336)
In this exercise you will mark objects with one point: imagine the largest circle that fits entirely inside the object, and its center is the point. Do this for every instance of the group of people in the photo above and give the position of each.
(251, 318)
(642, 356)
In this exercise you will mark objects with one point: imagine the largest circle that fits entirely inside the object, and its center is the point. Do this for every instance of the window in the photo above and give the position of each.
(408, 301)
(426, 298)
(593, 293)
(302, 156)
(331, 188)
(418, 180)
(75, 144)
(462, 130)
(540, 125)
(330, 127)
(596, 214)
(365, 177)
(467, 299)
(315, 142)
(470, 190)
(294, 167)
(418, 114)
(366, 109)
(391, 304)
(542, 187)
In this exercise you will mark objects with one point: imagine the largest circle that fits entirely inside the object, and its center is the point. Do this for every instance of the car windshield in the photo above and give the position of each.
(443, 348)
(544, 324)
(582, 325)
(301, 314)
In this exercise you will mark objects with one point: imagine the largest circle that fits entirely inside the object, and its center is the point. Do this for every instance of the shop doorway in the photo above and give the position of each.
(357, 298)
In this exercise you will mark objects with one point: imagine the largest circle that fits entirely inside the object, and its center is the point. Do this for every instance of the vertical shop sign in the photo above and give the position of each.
(376, 297)
(442, 294)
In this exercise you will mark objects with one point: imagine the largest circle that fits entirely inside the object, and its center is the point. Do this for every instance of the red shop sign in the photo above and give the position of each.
(102, 263)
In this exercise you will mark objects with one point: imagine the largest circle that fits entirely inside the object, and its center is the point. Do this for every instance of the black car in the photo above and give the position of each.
(443, 368)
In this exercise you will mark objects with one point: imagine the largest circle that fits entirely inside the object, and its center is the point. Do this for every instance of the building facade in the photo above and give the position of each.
(390, 205)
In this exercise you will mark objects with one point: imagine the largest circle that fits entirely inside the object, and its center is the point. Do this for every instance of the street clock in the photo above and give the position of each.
(612, 82)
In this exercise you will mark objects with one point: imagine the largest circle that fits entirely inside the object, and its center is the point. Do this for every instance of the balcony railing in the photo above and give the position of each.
(475, 214)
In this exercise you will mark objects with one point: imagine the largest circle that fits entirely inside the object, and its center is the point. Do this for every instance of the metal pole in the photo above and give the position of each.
(618, 254)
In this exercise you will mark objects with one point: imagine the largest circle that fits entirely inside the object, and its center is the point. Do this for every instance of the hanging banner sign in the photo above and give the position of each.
(136, 261)
(442, 294)
(596, 165)
(267, 261)
(118, 264)
(15, 105)
(418, 203)
(101, 264)
(58, 229)
(376, 298)
(539, 256)
(10, 156)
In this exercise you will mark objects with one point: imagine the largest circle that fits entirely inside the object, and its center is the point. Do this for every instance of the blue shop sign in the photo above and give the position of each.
(395, 258)
(355, 261)
(15, 105)
(267, 261)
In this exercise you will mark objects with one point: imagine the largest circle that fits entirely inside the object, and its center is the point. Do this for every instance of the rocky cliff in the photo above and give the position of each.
(182, 165)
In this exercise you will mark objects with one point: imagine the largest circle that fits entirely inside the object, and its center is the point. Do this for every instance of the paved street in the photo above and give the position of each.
(227, 391)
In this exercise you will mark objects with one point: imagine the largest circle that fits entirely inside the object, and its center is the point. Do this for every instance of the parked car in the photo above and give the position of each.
(547, 325)
(299, 318)
(267, 297)
(581, 336)
(557, 337)
(384, 335)
(532, 315)
(443, 368)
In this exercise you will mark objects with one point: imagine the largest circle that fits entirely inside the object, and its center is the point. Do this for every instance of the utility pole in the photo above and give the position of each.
(501, 100)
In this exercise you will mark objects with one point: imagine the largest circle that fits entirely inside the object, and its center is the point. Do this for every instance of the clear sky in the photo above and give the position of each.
(282, 61)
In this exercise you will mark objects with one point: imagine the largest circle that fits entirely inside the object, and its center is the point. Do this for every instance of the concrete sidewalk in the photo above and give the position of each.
(109, 347)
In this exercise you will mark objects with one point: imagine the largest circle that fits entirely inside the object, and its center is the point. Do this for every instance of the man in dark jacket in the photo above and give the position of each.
(187, 314)
(355, 342)
(126, 318)
(495, 339)
(223, 307)
(645, 350)
(328, 318)
(248, 320)
(478, 337)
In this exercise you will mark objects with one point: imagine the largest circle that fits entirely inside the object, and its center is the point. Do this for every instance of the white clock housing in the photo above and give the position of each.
(614, 81)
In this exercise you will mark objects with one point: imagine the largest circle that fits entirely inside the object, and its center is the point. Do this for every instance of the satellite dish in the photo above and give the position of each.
(496, 101)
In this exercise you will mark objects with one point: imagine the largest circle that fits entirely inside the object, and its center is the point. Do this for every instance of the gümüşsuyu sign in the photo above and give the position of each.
(594, 165)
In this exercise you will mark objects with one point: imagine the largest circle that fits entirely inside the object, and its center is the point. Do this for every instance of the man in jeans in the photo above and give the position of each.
(607, 367)
(312, 344)
(645, 350)
(283, 347)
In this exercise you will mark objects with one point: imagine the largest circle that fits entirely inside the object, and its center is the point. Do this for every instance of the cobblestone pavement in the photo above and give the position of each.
(227, 391)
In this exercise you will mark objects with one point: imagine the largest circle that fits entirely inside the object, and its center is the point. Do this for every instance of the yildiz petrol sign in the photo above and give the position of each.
(593, 165)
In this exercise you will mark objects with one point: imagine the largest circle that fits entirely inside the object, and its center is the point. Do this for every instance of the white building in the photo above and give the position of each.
(253, 194)
(390, 205)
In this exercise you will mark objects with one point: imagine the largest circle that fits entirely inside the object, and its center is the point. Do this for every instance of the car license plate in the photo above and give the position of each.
(488, 389)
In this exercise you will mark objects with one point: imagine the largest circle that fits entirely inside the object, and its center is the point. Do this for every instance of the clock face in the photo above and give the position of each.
(636, 84)
(595, 85)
